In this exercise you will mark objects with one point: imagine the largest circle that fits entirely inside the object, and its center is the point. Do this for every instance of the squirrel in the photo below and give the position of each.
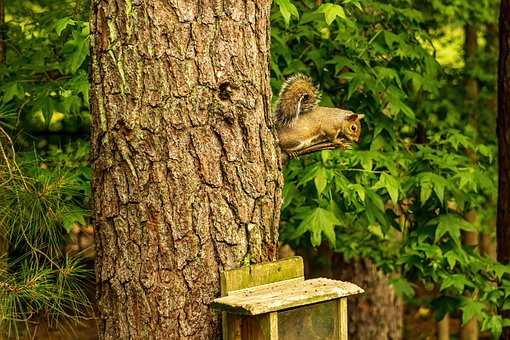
(304, 127)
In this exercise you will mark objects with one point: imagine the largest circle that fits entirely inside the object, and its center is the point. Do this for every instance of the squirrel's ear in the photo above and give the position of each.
(354, 117)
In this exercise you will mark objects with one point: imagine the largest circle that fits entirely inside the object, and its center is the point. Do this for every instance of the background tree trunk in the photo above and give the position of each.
(3, 29)
(443, 328)
(488, 238)
(503, 128)
(4, 150)
(469, 331)
(186, 172)
(376, 314)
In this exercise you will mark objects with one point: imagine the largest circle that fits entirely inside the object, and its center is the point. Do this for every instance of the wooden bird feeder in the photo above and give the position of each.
(274, 301)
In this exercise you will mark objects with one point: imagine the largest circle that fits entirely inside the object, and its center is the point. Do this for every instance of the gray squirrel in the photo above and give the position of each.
(304, 127)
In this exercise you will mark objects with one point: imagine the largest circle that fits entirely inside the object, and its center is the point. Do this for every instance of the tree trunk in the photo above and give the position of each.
(503, 129)
(443, 328)
(186, 173)
(4, 151)
(376, 314)
(487, 239)
(469, 331)
(472, 86)
(3, 51)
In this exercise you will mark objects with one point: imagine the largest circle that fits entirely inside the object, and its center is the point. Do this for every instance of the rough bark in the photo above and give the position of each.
(503, 130)
(186, 172)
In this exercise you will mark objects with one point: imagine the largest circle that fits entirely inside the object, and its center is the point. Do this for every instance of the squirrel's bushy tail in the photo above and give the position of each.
(297, 96)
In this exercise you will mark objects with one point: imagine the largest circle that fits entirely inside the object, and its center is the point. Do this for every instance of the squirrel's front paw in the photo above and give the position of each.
(341, 143)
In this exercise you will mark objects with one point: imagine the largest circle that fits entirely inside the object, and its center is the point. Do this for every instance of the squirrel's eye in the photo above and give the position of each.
(353, 127)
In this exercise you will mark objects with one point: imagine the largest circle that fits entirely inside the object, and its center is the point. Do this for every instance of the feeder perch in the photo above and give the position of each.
(272, 301)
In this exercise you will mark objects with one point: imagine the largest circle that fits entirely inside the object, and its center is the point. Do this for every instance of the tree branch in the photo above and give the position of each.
(313, 148)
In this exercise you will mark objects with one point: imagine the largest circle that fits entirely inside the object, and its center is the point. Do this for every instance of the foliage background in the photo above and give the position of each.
(426, 159)
(44, 185)
(428, 150)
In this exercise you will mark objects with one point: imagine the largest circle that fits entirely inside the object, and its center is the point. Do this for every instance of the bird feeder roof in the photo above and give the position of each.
(284, 295)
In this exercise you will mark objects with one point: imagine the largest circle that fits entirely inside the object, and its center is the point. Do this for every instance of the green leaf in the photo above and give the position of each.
(360, 190)
(444, 304)
(391, 185)
(501, 269)
(471, 309)
(456, 281)
(452, 225)
(76, 51)
(452, 257)
(287, 9)
(494, 324)
(375, 199)
(376, 230)
(391, 38)
(430, 181)
(331, 11)
(72, 217)
(320, 180)
(319, 221)
(13, 90)
(402, 287)
(61, 24)
(425, 192)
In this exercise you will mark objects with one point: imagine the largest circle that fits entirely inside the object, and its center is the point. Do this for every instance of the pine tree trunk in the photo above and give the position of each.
(503, 128)
(186, 172)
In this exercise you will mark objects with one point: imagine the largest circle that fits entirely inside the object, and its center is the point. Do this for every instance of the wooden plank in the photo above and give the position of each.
(231, 326)
(251, 276)
(273, 326)
(260, 327)
(261, 274)
(342, 319)
(283, 295)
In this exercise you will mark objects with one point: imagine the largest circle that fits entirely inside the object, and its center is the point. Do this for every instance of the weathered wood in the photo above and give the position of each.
(318, 321)
(343, 333)
(260, 327)
(231, 326)
(272, 326)
(284, 295)
(261, 274)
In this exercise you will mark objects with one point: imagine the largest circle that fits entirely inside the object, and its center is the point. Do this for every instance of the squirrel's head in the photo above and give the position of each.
(352, 127)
